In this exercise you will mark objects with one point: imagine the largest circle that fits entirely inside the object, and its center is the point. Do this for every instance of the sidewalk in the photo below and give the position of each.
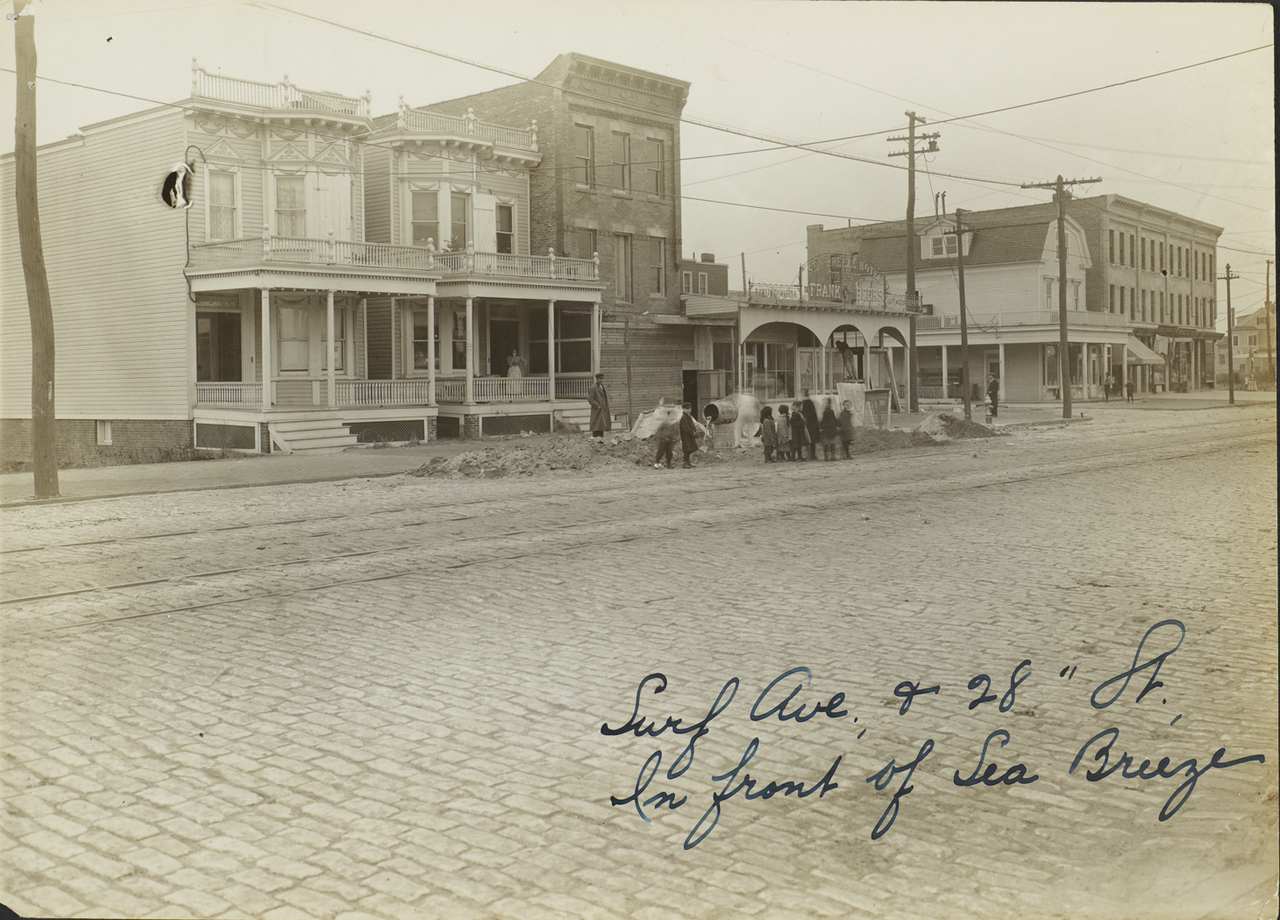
(360, 463)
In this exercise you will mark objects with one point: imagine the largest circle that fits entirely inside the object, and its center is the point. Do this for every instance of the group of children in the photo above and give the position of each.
(801, 426)
(685, 431)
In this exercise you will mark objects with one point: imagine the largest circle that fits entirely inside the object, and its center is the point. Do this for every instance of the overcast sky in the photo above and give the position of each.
(1200, 141)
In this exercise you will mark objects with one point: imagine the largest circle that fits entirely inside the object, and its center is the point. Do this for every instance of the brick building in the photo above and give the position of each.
(704, 275)
(1140, 299)
(608, 183)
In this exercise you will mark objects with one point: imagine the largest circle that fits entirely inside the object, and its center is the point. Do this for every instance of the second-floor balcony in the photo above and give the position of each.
(1024, 318)
(250, 252)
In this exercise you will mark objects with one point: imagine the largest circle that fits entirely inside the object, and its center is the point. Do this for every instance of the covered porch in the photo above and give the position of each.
(410, 345)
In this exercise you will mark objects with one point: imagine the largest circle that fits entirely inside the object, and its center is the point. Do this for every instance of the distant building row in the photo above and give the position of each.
(463, 269)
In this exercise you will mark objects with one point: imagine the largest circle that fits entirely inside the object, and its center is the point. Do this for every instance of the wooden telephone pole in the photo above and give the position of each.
(1231, 325)
(1267, 308)
(44, 434)
(964, 323)
(910, 153)
(1060, 195)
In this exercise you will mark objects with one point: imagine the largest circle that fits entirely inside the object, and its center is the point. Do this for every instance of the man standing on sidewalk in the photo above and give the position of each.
(598, 397)
(993, 394)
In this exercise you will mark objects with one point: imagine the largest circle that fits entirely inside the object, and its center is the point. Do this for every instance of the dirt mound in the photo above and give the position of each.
(567, 452)
(867, 440)
(959, 428)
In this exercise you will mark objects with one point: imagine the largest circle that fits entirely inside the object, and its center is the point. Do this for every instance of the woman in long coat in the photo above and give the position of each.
(601, 420)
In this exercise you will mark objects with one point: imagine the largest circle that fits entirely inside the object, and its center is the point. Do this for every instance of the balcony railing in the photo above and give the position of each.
(252, 251)
(1024, 318)
(282, 95)
(469, 262)
(417, 121)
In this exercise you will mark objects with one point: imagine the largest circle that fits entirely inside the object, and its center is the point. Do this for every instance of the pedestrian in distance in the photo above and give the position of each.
(1107, 385)
(1129, 387)
(598, 397)
(809, 409)
(668, 432)
(993, 394)
(768, 433)
(784, 433)
(829, 431)
(688, 434)
(845, 421)
(799, 434)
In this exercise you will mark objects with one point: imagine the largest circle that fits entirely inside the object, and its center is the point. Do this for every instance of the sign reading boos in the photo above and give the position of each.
(1098, 757)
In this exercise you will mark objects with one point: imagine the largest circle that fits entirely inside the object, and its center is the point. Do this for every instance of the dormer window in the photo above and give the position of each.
(943, 246)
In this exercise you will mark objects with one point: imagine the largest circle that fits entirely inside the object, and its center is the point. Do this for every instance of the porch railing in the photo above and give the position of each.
(229, 394)
(282, 95)
(381, 392)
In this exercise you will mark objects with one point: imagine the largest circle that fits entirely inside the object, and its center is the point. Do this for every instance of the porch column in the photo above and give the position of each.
(333, 350)
(1124, 367)
(1002, 396)
(595, 338)
(907, 377)
(266, 349)
(866, 363)
(822, 367)
(945, 376)
(469, 396)
(431, 351)
(551, 350)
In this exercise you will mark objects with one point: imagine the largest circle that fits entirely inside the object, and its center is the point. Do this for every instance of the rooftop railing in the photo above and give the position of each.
(418, 121)
(1023, 318)
(282, 95)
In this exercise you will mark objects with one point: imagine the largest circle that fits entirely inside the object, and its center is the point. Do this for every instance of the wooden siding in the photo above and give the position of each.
(379, 338)
(115, 256)
(377, 195)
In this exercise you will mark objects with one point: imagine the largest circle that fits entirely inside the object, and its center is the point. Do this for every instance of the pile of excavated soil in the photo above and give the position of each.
(959, 428)
(572, 452)
(560, 452)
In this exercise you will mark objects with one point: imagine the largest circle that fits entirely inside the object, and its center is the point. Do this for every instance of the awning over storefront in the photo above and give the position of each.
(1141, 354)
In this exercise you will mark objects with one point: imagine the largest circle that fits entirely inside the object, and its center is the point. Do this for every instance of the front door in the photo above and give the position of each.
(217, 346)
(504, 338)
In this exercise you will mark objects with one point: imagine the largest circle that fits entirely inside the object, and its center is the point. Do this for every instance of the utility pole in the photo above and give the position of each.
(1231, 325)
(913, 305)
(1060, 195)
(44, 431)
(964, 323)
(1267, 307)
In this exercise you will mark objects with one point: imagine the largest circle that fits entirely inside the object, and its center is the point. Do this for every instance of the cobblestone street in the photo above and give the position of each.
(385, 697)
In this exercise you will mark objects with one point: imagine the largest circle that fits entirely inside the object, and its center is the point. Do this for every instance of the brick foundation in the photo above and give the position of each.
(132, 441)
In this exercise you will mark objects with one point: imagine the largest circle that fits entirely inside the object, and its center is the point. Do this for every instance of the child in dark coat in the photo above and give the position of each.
(845, 420)
(768, 433)
(784, 433)
(829, 431)
(799, 433)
